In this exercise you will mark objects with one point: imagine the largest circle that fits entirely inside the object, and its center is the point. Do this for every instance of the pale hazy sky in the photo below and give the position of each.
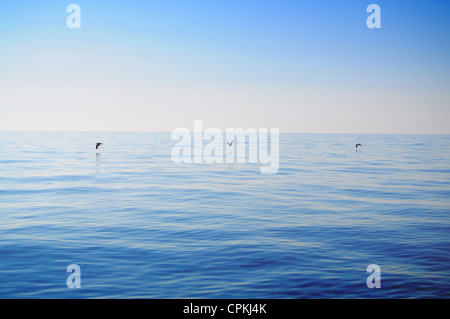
(301, 66)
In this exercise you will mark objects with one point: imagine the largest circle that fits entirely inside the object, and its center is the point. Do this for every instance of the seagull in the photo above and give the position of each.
(98, 145)
(358, 145)
(230, 144)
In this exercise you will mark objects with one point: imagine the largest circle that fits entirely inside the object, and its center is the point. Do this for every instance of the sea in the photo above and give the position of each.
(139, 225)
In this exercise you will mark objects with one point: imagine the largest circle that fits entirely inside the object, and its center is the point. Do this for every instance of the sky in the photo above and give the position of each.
(300, 66)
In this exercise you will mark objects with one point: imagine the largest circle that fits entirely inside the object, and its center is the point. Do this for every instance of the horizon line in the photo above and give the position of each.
(151, 131)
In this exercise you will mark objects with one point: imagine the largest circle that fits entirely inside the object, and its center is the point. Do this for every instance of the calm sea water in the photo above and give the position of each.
(140, 226)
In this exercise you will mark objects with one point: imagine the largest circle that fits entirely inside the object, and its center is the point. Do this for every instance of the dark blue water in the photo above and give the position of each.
(141, 226)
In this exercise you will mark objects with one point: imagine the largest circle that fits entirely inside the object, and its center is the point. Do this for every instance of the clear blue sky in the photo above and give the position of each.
(301, 66)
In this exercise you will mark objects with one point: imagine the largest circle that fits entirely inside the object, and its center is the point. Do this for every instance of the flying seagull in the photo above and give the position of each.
(230, 143)
(358, 145)
(98, 145)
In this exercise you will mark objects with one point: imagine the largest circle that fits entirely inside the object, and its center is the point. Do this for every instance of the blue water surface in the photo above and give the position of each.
(141, 226)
